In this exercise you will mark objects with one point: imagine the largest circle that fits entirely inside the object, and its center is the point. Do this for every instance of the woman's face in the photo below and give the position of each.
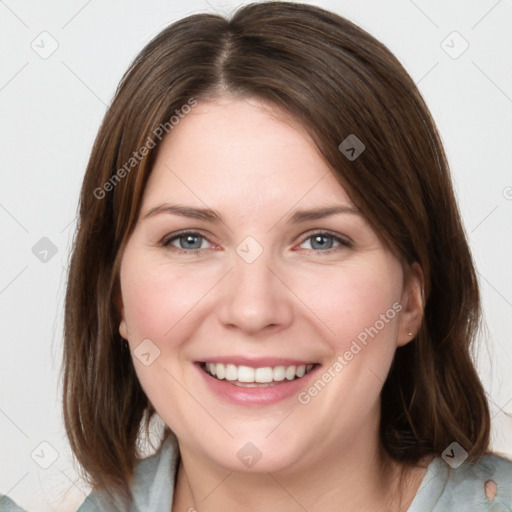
(229, 266)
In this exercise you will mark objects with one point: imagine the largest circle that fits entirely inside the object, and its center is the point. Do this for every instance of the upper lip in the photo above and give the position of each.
(256, 362)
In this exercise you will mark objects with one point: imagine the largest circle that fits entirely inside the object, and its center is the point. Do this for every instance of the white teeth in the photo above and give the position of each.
(245, 373)
(231, 372)
(253, 384)
(220, 371)
(279, 373)
(264, 375)
(290, 372)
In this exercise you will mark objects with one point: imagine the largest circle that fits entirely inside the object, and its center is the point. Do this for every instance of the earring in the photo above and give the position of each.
(410, 333)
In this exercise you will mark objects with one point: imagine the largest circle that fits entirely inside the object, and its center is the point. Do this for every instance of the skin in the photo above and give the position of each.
(245, 160)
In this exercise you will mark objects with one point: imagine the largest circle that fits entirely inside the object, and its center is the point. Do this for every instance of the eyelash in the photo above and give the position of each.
(166, 242)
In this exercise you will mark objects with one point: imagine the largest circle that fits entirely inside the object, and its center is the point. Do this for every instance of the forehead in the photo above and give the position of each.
(244, 154)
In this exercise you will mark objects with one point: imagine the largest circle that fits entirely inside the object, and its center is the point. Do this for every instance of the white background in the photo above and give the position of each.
(51, 110)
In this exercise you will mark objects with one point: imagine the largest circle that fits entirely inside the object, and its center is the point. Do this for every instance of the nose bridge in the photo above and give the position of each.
(253, 296)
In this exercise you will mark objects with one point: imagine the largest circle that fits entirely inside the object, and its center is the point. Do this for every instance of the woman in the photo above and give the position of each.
(310, 348)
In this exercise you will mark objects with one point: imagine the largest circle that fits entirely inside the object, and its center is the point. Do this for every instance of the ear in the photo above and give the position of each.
(412, 306)
(118, 303)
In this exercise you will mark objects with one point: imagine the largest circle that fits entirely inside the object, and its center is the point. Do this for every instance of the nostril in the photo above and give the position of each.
(491, 489)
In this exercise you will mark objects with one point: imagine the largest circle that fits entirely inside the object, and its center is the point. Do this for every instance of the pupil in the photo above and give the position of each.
(322, 244)
(191, 239)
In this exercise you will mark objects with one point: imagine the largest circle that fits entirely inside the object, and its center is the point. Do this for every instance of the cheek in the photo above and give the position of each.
(352, 303)
(158, 298)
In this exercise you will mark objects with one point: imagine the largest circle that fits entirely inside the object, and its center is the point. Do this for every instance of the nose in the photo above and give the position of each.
(254, 298)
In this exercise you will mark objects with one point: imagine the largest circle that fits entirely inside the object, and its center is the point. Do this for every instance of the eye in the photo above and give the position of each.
(326, 242)
(188, 242)
(192, 242)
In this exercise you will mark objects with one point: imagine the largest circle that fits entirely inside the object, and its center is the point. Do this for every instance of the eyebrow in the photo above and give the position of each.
(212, 216)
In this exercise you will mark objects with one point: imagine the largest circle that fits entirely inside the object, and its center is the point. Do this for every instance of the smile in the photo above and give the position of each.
(247, 376)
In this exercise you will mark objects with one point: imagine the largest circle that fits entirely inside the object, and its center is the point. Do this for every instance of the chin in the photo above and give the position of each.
(245, 456)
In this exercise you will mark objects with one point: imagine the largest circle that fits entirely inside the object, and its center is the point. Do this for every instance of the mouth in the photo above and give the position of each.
(261, 377)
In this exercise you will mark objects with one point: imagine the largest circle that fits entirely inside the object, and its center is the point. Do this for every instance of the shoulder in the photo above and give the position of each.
(7, 505)
(485, 485)
(495, 474)
(150, 486)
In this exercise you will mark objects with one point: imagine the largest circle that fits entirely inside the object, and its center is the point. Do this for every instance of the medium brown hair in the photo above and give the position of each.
(336, 80)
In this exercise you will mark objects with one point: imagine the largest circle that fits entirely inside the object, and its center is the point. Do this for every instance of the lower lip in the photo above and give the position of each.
(256, 396)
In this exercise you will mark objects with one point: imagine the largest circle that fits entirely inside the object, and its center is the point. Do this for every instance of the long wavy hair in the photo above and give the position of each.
(336, 80)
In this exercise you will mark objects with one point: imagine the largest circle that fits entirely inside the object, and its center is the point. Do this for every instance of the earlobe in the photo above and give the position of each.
(413, 305)
(123, 330)
(118, 304)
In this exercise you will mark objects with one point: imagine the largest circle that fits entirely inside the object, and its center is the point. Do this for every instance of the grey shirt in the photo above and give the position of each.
(443, 489)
